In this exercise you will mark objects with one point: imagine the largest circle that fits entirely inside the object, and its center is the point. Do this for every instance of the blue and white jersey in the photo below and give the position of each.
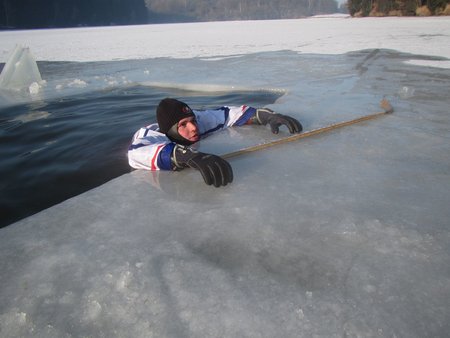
(152, 150)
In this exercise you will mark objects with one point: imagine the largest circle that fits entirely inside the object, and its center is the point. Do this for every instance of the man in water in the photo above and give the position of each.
(167, 144)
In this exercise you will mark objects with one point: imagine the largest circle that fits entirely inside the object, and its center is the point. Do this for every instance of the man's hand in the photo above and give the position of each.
(266, 116)
(214, 169)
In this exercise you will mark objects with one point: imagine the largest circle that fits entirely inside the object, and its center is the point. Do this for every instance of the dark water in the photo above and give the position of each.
(51, 151)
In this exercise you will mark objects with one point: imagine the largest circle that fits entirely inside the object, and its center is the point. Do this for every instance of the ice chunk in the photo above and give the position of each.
(20, 71)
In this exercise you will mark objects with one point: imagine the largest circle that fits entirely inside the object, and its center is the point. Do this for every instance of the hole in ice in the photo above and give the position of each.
(83, 141)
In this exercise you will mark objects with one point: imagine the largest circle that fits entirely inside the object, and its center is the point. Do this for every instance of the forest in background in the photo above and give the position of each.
(220, 10)
(27, 14)
(361, 8)
(19, 14)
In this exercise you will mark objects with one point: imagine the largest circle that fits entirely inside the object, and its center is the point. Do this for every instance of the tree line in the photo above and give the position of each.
(69, 13)
(25, 14)
(217, 10)
(398, 7)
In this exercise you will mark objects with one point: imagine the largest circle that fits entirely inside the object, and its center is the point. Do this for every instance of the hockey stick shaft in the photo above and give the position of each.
(384, 104)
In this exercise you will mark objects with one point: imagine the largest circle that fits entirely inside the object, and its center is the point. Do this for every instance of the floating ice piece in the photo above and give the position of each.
(20, 70)
(406, 92)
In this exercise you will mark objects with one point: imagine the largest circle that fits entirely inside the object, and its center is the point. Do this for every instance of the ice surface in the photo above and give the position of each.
(20, 71)
(218, 39)
(343, 234)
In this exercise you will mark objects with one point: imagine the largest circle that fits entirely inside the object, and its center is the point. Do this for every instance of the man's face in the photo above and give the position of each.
(188, 129)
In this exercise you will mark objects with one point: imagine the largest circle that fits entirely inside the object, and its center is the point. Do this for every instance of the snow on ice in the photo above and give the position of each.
(343, 234)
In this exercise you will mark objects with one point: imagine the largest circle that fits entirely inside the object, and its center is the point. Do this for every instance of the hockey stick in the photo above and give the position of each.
(384, 104)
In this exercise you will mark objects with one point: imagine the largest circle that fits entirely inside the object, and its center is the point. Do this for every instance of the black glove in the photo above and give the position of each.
(265, 115)
(214, 169)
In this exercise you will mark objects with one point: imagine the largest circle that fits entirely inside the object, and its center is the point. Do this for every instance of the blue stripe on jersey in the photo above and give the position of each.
(226, 112)
(136, 146)
(250, 112)
(165, 157)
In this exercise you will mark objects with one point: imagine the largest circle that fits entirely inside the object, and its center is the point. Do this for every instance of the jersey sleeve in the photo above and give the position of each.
(150, 150)
(212, 120)
(238, 116)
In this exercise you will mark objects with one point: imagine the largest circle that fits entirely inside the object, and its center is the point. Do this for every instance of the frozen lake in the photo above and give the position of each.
(343, 234)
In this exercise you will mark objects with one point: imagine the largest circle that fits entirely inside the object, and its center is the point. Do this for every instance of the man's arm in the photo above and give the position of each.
(221, 118)
(150, 150)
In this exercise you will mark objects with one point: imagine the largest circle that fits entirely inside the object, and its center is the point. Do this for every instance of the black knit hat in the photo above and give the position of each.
(169, 112)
